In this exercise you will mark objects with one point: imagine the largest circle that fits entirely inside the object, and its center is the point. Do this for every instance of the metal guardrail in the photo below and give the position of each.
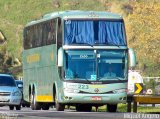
(150, 94)
(150, 78)
(151, 85)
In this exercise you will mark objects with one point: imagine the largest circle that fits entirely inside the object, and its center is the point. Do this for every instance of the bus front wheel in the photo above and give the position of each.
(58, 106)
(112, 107)
(18, 107)
(11, 107)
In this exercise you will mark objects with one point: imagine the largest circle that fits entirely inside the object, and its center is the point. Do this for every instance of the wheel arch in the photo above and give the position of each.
(54, 90)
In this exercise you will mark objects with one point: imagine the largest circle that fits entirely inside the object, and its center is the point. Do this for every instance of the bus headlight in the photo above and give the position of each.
(70, 90)
(120, 91)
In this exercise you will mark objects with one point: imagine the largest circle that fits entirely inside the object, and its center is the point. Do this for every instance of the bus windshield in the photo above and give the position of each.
(78, 63)
(95, 65)
(94, 32)
(112, 65)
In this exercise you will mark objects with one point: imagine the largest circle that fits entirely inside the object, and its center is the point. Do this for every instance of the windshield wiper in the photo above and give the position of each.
(89, 44)
(120, 79)
(85, 44)
(115, 45)
(88, 80)
(82, 79)
(110, 78)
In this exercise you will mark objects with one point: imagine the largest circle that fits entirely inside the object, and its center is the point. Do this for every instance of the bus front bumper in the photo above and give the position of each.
(93, 98)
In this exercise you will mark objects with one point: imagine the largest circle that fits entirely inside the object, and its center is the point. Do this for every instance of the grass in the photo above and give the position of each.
(122, 108)
(141, 109)
(15, 14)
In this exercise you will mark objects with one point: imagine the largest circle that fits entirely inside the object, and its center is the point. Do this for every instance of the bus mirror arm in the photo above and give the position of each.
(132, 58)
(60, 57)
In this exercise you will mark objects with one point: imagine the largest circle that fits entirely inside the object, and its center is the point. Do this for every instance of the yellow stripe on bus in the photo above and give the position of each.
(44, 98)
(97, 86)
(33, 58)
(52, 57)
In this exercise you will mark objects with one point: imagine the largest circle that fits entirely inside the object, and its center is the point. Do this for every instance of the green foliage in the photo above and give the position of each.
(141, 18)
(18, 12)
(142, 26)
(143, 35)
(151, 85)
(123, 108)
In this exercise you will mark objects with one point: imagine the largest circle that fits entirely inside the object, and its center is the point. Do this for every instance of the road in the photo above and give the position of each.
(27, 113)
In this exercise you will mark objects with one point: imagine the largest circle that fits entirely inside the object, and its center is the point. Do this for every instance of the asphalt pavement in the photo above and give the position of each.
(27, 113)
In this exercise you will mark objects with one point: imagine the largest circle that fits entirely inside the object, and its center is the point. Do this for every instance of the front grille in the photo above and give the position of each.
(5, 93)
(4, 101)
(84, 92)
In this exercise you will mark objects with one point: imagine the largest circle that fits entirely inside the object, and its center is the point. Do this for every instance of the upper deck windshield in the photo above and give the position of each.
(94, 32)
(96, 65)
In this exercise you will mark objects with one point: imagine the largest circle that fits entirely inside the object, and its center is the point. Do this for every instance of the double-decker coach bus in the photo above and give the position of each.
(67, 56)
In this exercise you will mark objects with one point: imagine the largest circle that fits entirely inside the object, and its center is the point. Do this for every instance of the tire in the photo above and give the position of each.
(83, 108)
(34, 104)
(112, 107)
(18, 107)
(58, 106)
(27, 105)
(45, 107)
(79, 108)
(23, 105)
(11, 107)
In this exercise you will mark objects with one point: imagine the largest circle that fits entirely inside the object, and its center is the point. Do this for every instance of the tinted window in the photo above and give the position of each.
(40, 34)
(19, 82)
(7, 81)
(59, 35)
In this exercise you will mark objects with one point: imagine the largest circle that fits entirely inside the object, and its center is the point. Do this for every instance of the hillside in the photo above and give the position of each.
(141, 17)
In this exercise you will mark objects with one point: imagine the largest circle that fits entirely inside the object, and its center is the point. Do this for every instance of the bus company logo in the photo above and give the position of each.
(96, 90)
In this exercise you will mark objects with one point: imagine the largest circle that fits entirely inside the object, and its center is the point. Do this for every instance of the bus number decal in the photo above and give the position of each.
(83, 56)
(83, 86)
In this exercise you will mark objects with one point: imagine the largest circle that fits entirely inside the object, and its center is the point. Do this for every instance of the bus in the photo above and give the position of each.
(66, 57)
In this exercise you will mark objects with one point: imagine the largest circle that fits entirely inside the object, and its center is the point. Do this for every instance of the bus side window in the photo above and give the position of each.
(37, 35)
(33, 36)
(51, 32)
(59, 34)
(40, 35)
(44, 34)
(28, 41)
(25, 39)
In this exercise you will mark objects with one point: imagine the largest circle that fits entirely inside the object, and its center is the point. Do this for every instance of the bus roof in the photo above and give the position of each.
(76, 14)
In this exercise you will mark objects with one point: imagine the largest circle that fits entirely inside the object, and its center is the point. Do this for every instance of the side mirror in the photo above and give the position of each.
(132, 57)
(20, 86)
(60, 57)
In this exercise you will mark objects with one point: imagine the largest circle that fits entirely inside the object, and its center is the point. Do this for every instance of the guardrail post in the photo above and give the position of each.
(135, 106)
(129, 106)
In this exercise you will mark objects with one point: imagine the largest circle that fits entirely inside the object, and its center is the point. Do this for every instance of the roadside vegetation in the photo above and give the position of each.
(141, 18)
(141, 109)
(122, 108)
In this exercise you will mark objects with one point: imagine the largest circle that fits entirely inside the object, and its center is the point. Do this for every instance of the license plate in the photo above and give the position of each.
(96, 98)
